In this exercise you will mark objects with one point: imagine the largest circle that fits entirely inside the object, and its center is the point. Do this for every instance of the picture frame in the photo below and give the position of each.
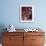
(26, 13)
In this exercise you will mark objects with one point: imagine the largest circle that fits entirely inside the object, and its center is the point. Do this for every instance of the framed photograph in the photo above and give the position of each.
(26, 13)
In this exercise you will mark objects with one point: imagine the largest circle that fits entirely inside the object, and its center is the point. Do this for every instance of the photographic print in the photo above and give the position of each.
(26, 13)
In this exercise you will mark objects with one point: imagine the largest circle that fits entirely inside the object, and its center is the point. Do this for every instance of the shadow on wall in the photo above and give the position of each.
(2, 26)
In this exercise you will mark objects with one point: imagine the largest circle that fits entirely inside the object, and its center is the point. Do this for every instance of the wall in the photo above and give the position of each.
(9, 13)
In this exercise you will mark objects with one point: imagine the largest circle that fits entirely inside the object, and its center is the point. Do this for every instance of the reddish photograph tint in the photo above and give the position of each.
(26, 13)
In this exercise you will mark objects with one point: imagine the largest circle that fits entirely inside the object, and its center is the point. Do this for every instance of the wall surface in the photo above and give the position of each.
(10, 12)
(10, 9)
